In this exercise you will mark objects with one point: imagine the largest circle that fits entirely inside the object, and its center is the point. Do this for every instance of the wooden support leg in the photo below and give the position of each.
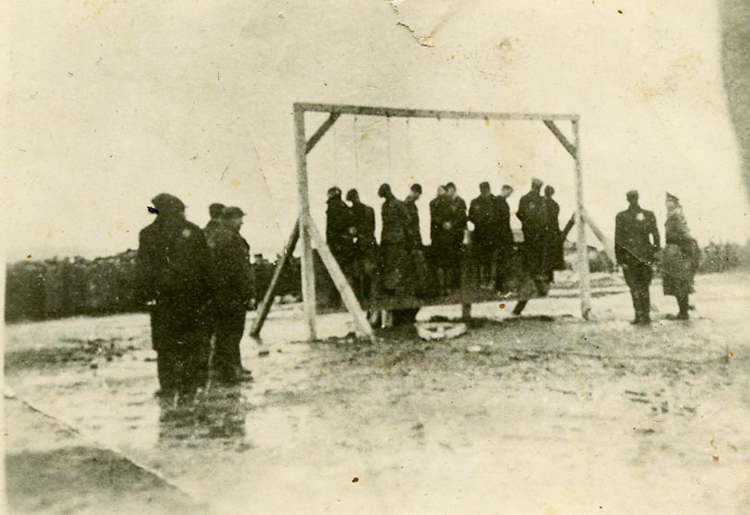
(265, 306)
(466, 312)
(308, 269)
(583, 251)
(342, 285)
(608, 247)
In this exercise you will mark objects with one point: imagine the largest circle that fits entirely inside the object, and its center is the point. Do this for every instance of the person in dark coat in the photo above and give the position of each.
(454, 223)
(339, 230)
(483, 213)
(555, 259)
(233, 291)
(173, 273)
(636, 243)
(417, 247)
(215, 211)
(532, 211)
(504, 238)
(680, 259)
(364, 246)
(439, 253)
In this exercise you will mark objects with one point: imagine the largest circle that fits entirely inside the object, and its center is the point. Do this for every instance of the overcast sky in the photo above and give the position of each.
(107, 103)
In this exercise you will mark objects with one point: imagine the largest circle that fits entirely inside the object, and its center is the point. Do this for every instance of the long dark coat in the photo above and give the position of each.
(174, 271)
(396, 240)
(232, 273)
(680, 258)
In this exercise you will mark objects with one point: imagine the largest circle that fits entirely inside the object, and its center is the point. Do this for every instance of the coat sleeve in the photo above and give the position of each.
(655, 232)
(619, 236)
(145, 268)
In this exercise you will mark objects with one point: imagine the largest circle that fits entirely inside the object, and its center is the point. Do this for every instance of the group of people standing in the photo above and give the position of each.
(403, 263)
(638, 250)
(198, 285)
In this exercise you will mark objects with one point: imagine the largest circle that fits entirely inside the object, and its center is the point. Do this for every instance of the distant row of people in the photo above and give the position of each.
(403, 261)
(198, 284)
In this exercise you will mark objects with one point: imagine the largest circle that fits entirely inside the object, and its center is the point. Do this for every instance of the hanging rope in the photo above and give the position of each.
(356, 148)
(408, 150)
(335, 157)
(388, 130)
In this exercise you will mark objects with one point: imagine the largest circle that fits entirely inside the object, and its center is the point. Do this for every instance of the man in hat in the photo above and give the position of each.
(636, 243)
(233, 291)
(174, 279)
(364, 245)
(483, 213)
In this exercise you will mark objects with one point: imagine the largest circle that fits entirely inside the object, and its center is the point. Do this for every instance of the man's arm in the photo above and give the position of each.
(619, 236)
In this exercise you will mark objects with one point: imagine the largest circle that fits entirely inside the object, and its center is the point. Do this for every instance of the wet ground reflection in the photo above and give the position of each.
(216, 414)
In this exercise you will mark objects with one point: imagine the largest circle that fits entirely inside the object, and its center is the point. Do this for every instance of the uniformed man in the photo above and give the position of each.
(339, 230)
(233, 291)
(174, 279)
(215, 211)
(636, 243)
(505, 242)
(364, 245)
(532, 211)
(483, 213)
(439, 253)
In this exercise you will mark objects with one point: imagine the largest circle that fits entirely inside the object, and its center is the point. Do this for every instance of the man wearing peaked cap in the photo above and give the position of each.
(173, 275)
(233, 291)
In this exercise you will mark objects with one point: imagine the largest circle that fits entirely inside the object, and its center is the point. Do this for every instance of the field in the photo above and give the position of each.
(544, 414)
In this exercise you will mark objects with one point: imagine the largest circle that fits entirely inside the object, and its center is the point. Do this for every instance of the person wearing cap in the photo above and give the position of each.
(483, 213)
(233, 291)
(455, 224)
(364, 246)
(439, 253)
(174, 279)
(680, 258)
(636, 243)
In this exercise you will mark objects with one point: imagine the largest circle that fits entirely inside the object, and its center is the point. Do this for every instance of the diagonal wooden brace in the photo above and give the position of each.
(347, 294)
(561, 138)
(265, 306)
(321, 132)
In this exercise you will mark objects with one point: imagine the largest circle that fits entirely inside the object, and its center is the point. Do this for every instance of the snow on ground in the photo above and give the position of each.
(554, 415)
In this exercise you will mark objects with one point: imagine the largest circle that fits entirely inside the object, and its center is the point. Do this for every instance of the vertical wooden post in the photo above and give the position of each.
(308, 271)
(583, 250)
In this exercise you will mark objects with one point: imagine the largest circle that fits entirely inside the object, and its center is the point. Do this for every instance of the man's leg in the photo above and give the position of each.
(223, 359)
(520, 305)
(684, 304)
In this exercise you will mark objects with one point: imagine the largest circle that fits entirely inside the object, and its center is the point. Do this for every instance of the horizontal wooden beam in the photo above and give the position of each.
(561, 138)
(426, 113)
(321, 132)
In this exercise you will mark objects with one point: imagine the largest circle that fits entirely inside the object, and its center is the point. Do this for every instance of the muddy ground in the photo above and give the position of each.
(550, 415)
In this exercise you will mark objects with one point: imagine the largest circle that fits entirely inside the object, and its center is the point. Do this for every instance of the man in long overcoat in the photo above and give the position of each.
(483, 213)
(636, 242)
(364, 246)
(233, 290)
(174, 279)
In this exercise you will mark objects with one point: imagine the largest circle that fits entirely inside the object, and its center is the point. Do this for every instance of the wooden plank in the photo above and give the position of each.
(342, 285)
(265, 306)
(321, 132)
(608, 247)
(308, 270)
(427, 113)
(583, 251)
(561, 137)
